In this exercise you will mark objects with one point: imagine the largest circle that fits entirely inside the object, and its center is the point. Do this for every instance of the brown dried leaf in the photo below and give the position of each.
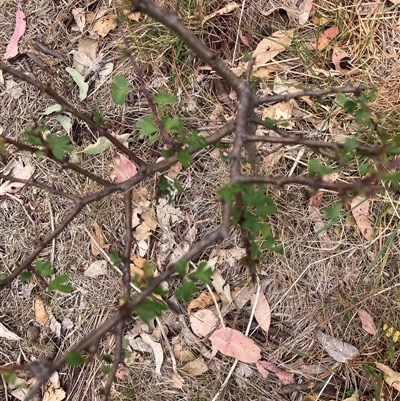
(270, 47)
(157, 350)
(123, 169)
(222, 11)
(105, 24)
(262, 312)
(391, 377)
(41, 315)
(367, 322)
(360, 212)
(202, 301)
(79, 17)
(19, 169)
(8, 334)
(316, 197)
(305, 9)
(281, 111)
(284, 377)
(86, 58)
(233, 343)
(98, 236)
(176, 382)
(196, 367)
(326, 37)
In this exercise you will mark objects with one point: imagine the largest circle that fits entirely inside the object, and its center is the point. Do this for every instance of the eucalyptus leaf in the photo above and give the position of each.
(80, 81)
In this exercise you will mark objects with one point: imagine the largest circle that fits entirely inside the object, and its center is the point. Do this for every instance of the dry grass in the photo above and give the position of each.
(321, 280)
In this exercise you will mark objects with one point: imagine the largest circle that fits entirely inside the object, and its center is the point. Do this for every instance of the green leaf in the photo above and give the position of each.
(315, 167)
(186, 290)
(65, 122)
(350, 106)
(202, 273)
(98, 117)
(173, 125)
(350, 144)
(107, 358)
(2, 146)
(363, 169)
(115, 258)
(10, 377)
(58, 284)
(59, 145)
(146, 126)
(184, 158)
(105, 369)
(44, 268)
(100, 146)
(148, 269)
(227, 194)
(178, 186)
(3, 276)
(80, 81)
(180, 267)
(52, 109)
(75, 358)
(164, 98)
(149, 309)
(196, 141)
(159, 290)
(269, 123)
(167, 153)
(125, 353)
(119, 89)
(25, 276)
(333, 212)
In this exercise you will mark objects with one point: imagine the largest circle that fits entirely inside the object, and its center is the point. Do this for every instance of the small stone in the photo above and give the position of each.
(32, 334)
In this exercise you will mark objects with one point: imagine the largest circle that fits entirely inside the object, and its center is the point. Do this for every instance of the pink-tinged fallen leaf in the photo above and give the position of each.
(233, 343)
(305, 9)
(176, 382)
(123, 169)
(338, 55)
(284, 377)
(263, 372)
(262, 312)
(360, 211)
(7, 334)
(339, 350)
(203, 322)
(21, 170)
(391, 377)
(121, 374)
(20, 26)
(326, 37)
(270, 47)
(367, 322)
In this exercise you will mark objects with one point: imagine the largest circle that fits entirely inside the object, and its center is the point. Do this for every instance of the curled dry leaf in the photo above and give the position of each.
(8, 334)
(284, 377)
(20, 26)
(203, 322)
(262, 311)
(222, 11)
(202, 301)
(270, 47)
(41, 316)
(123, 169)
(367, 322)
(360, 211)
(339, 350)
(233, 343)
(157, 349)
(391, 377)
(79, 17)
(105, 24)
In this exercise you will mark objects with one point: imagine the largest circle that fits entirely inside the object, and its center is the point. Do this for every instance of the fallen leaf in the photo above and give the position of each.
(80, 81)
(182, 353)
(196, 367)
(305, 9)
(203, 322)
(41, 316)
(316, 197)
(14, 89)
(19, 169)
(79, 17)
(97, 240)
(105, 24)
(65, 121)
(136, 267)
(354, 397)
(326, 37)
(86, 58)
(367, 322)
(360, 212)
(19, 388)
(270, 47)
(123, 169)
(121, 374)
(20, 26)
(319, 20)
(223, 289)
(54, 392)
(106, 70)
(262, 312)
(132, 16)
(284, 377)
(202, 301)
(176, 382)
(281, 112)
(7, 334)
(222, 11)
(339, 350)
(391, 377)
(96, 269)
(157, 350)
(233, 343)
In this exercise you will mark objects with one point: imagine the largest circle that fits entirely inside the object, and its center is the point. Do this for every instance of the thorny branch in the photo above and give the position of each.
(242, 128)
